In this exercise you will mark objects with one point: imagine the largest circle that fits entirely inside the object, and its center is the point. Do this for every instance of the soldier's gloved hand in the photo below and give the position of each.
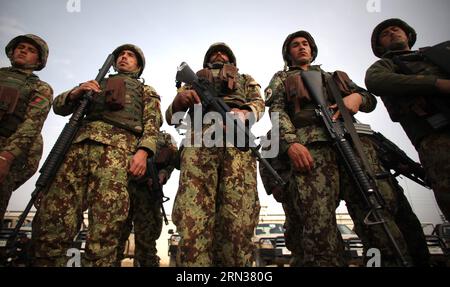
(352, 102)
(300, 157)
(443, 86)
(138, 164)
(184, 100)
(76, 93)
(6, 160)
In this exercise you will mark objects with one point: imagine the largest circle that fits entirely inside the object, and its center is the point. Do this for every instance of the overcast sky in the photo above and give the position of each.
(82, 33)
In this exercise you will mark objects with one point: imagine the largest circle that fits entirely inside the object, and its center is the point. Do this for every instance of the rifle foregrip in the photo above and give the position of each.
(355, 165)
(57, 154)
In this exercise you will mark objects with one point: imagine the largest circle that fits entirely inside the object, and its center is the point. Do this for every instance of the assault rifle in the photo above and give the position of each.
(393, 158)
(152, 172)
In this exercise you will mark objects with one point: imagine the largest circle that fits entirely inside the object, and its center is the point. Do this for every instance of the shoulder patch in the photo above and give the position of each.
(40, 102)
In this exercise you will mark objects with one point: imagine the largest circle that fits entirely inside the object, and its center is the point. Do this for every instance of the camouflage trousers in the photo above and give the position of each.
(397, 213)
(146, 217)
(311, 216)
(93, 176)
(216, 207)
(435, 158)
(21, 170)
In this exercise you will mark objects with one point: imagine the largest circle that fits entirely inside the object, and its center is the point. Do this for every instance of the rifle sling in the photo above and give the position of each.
(348, 124)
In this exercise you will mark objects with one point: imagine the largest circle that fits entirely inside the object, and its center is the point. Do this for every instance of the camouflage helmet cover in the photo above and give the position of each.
(410, 32)
(219, 46)
(290, 37)
(36, 41)
(139, 55)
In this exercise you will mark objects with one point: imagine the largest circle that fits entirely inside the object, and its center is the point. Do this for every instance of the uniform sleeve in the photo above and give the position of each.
(30, 128)
(152, 119)
(169, 111)
(255, 102)
(277, 104)
(369, 102)
(63, 106)
(382, 79)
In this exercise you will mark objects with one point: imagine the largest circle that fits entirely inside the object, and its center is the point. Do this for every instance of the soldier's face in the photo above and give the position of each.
(127, 61)
(25, 54)
(219, 56)
(300, 51)
(393, 38)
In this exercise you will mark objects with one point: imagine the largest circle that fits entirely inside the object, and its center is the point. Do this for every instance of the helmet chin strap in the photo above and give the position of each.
(217, 65)
(25, 67)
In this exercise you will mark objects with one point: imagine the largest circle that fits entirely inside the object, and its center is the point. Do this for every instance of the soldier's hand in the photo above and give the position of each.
(443, 86)
(138, 164)
(300, 157)
(242, 115)
(162, 178)
(76, 93)
(352, 102)
(6, 160)
(184, 100)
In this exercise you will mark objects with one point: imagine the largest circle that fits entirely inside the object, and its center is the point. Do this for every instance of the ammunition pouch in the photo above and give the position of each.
(115, 93)
(342, 80)
(295, 92)
(227, 78)
(305, 118)
(228, 75)
(8, 100)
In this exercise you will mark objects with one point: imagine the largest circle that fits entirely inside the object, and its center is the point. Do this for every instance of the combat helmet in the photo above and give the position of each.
(139, 55)
(410, 32)
(36, 41)
(219, 46)
(291, 37)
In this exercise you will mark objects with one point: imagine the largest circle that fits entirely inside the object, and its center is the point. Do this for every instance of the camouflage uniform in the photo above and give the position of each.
(94, 175)
(292, 234)
(406, 84)
(20, 130)
(216, 207)
(145, 211)
(315, 195)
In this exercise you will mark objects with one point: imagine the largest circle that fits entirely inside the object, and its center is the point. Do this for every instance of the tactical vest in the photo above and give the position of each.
(15, 95)
(301, 109)
(227, 83)
(120, 104)
(418, 115)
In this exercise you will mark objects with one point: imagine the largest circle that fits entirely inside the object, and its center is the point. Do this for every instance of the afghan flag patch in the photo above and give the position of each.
(39, 102)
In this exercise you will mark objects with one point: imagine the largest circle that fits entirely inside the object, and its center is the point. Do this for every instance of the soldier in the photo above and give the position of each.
(145, 210)
(25, 101)
(216, 208)
(118, 134)
(415, 92)
(319, 179)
